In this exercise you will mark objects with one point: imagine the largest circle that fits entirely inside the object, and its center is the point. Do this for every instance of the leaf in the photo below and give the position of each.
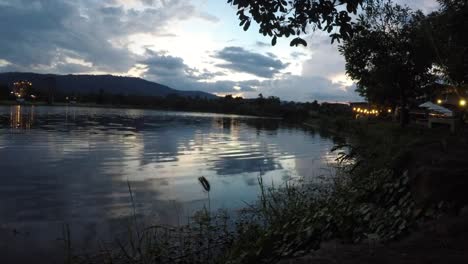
(273, 41)
(334, 37)
(402, 225)
(247, 25)
(298, 41)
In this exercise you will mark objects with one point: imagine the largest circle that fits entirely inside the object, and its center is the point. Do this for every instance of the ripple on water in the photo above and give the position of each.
(74, 165)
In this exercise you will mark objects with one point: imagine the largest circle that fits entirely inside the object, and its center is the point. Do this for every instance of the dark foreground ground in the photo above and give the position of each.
(438, 166)
(443, 241)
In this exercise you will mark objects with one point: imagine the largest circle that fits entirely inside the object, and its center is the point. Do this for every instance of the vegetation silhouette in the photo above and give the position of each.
(280, 18)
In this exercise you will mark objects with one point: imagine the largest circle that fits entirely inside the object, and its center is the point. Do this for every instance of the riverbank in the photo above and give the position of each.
(416, 213)
(435, 162)
(441, 241)
(385, 199)
(434, 158)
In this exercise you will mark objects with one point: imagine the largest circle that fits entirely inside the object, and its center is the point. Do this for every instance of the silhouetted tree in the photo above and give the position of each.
(315, 105)
(447, 29)
(4, 92)
(388, 57)
(100, 97)
(51, 89)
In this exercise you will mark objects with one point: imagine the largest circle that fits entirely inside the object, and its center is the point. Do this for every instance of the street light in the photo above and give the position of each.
(462, 102)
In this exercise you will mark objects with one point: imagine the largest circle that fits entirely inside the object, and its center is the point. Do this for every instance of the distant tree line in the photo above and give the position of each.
(261, 106)
(4, 92)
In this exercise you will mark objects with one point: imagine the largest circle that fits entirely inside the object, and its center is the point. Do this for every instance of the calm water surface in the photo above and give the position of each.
(70, 165)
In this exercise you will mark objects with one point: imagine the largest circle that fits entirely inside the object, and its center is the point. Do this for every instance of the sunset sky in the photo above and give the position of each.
(185, 44)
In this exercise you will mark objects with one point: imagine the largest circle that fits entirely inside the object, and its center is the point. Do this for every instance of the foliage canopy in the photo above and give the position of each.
(388, 56)
(281, 18)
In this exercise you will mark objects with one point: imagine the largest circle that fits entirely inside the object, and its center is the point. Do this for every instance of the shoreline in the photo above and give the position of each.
(131, 107)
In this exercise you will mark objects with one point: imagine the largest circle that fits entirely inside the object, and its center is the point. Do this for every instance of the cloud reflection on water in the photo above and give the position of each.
(71, 165)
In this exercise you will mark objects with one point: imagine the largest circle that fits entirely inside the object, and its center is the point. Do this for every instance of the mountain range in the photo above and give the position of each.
(93, 84)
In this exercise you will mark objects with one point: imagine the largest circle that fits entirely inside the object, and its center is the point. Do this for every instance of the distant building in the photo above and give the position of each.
(335, 108)
(450, 96)
(22, 90)
(356, 105)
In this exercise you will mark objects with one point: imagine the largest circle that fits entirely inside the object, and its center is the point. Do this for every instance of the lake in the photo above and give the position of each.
(74, 166)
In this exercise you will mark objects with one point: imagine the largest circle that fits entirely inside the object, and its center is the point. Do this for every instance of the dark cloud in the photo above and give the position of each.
(207, 75)
(272, 55)
(241, 60)
(41, 34)
(78, 36)
(165, 65)
(72, 67)
(172, 71)
(55, 30)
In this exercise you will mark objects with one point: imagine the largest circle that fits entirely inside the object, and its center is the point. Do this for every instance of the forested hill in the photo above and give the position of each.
(93, 84)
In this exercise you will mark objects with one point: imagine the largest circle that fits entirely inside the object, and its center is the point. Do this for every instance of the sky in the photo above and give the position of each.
(184, 44)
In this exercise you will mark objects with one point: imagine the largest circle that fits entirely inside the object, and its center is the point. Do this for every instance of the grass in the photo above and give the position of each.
(287, 221)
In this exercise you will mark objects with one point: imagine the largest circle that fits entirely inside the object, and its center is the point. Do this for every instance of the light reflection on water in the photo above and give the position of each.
(71, 165)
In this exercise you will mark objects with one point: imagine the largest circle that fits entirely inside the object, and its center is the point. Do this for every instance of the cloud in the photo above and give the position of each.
(262, 44)
(148, 2)
(325, 59)
(299, 88)
(426, 6)
(240, 60)
(165, 65)
(42, 34)
(173, 71)
(297, 54)
(114, 36)
(208, 17)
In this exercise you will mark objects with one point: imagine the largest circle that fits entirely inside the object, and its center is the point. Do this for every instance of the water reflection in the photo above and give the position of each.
(72, 165)
(21, 116)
